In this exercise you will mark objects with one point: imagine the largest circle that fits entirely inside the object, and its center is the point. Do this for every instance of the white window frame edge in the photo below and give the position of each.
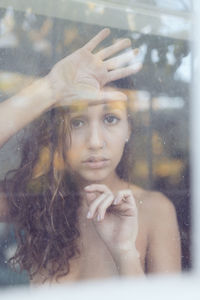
(195, 139)
(185, 286)
(127, 17)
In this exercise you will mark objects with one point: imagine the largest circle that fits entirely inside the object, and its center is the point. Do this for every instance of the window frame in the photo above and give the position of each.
(184, 285)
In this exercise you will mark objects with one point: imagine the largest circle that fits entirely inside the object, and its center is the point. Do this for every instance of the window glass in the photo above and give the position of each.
(179, 6)
(34, 38)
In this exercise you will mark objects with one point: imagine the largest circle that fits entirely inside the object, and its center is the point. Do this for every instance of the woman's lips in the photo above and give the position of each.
(96, 163)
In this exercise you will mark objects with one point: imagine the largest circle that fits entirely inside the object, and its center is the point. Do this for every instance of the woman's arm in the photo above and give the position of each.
(23, 108)
(128, 263)
(80, 76)
(164, 251)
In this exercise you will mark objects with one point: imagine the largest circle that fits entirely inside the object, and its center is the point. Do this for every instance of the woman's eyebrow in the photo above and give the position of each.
(115, 105)
(78, 108)
(78, 112)
(77, 115)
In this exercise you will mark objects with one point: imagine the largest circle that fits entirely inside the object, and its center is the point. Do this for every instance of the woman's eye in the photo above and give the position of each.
(111, 120)
(77, 123)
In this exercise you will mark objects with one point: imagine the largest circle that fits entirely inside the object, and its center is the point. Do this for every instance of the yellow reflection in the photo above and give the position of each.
(13, 82)
(117, 105)
(70, 35)
(98, 8)
(91, 5)
(43, 164)
(157, 143)
(168, 167)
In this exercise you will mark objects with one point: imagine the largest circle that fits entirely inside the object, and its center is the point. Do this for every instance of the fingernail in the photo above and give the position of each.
(116, 201)
(87, 188)
(128, 42)
(136, 51)
(107, 30)
(89, 215)
(136, 66)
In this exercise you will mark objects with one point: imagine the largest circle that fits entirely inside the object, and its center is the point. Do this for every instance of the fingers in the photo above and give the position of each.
(95, 41)
(98, 207)
(123, 72)
(124, 201)
(125, 196)
(121, 60)
(118, 46)
(103, 206)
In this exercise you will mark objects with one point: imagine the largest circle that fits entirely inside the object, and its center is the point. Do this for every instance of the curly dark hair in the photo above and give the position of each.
(44, 205)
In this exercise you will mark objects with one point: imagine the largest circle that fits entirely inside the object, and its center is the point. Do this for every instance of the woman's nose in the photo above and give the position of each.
(95, 138)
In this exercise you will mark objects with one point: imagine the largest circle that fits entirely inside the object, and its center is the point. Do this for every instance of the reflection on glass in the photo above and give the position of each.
(31, 44)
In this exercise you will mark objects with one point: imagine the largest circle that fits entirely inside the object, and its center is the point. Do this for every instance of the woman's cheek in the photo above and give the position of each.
(119, 136)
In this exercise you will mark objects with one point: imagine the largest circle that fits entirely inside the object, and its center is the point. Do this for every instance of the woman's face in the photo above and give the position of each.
(98, 137)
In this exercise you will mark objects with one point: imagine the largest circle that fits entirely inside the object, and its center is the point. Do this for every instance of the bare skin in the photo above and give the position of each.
(158, 245)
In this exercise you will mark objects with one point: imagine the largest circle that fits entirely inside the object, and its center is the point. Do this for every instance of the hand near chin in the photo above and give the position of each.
(115, 218)
(82, 75)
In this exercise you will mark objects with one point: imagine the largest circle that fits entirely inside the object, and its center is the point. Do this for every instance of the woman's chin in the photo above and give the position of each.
(95, 176)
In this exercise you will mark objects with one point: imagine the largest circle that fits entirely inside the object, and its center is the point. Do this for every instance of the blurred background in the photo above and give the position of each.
(34, 35)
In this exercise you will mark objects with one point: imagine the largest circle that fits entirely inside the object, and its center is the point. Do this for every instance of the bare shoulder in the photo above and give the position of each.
(152, 203)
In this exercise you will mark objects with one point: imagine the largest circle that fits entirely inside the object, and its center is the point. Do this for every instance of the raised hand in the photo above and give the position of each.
(82, 75)
(115, 218)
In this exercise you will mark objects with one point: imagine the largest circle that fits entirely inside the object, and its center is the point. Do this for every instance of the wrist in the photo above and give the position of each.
(125, 255)
(128, 262)
(45, 92)
(38, 96)
(127, 249)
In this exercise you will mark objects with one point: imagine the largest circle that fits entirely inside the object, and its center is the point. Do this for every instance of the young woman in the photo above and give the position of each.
(76, 214)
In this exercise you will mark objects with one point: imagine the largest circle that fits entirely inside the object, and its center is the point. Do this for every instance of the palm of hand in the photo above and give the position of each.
(114, 217)
(119, 228)
(82, 75)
